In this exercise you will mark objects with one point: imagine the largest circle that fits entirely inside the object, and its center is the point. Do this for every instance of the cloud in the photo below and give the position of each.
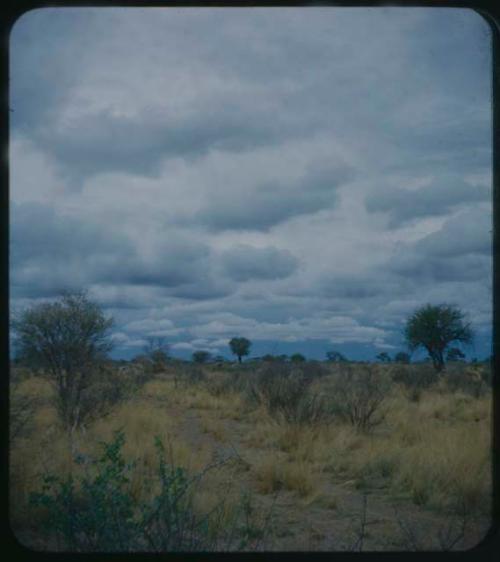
(312, 184)
(459, 251)
(338, 329)
(275, 193)
(50, 250)
(437, 198)
(55, 252)
(468, 232)
(244, 262)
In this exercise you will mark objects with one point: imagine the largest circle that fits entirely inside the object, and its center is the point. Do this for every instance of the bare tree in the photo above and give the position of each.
(156, 350)
(358, 395)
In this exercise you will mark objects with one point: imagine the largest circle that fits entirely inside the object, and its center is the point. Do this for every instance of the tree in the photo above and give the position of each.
(201, 356)
(335, 356)
(434, 328)
(297, 358)
(384, 357)
(402, 357)
(156, 351)
(240, 347)
(69, 340)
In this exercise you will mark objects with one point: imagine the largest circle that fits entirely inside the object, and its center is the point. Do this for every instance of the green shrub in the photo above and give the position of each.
(98, 513)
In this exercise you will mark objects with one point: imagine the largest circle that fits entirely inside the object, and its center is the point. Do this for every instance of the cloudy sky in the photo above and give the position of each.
(302, 177)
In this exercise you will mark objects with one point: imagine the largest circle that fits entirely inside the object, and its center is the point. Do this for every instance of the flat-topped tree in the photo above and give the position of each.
(201, 356)
(240, 347)
(335, 356)
(434, 328)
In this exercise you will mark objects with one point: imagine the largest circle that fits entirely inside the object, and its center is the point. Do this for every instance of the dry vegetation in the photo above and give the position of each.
(298, 474)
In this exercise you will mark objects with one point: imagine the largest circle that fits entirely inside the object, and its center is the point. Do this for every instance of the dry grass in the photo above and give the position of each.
(435, 452)
(275, 471)
(214, 427)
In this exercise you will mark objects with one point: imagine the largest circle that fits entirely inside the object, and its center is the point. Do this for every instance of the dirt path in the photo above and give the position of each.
(355, 520)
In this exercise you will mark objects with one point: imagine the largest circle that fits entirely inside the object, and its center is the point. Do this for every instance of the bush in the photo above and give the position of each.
(284, 389)
(220, 384)
(97, 512)
(415, 378)
(358, 394)
(192, 374)
(468, 379)
(108, 387)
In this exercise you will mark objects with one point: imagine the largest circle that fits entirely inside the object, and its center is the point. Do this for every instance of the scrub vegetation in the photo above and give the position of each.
(266, 454)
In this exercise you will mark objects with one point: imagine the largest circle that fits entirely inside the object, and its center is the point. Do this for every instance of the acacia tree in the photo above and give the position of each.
(335, 356)
(68, 340)
(240, 347)
(434, 328)
(201, 356)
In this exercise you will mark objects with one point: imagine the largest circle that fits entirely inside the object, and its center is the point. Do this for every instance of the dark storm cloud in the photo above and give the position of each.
(244, 262)
(55, 252)
(50, 253)
(175, 261)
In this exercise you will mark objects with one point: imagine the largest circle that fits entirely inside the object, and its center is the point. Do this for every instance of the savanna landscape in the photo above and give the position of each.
(250, 279)
(275, 453)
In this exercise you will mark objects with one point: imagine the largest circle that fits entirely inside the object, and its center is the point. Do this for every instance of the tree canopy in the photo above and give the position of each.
(240, 347)
(67, 339)
(434, 328)
(335, 356)
(201, 356)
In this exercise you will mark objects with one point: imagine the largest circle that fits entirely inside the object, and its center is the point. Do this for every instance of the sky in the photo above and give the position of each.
(302, 177)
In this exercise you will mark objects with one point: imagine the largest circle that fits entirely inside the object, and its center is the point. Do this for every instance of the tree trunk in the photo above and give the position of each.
(239, 358)
(438, 361)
